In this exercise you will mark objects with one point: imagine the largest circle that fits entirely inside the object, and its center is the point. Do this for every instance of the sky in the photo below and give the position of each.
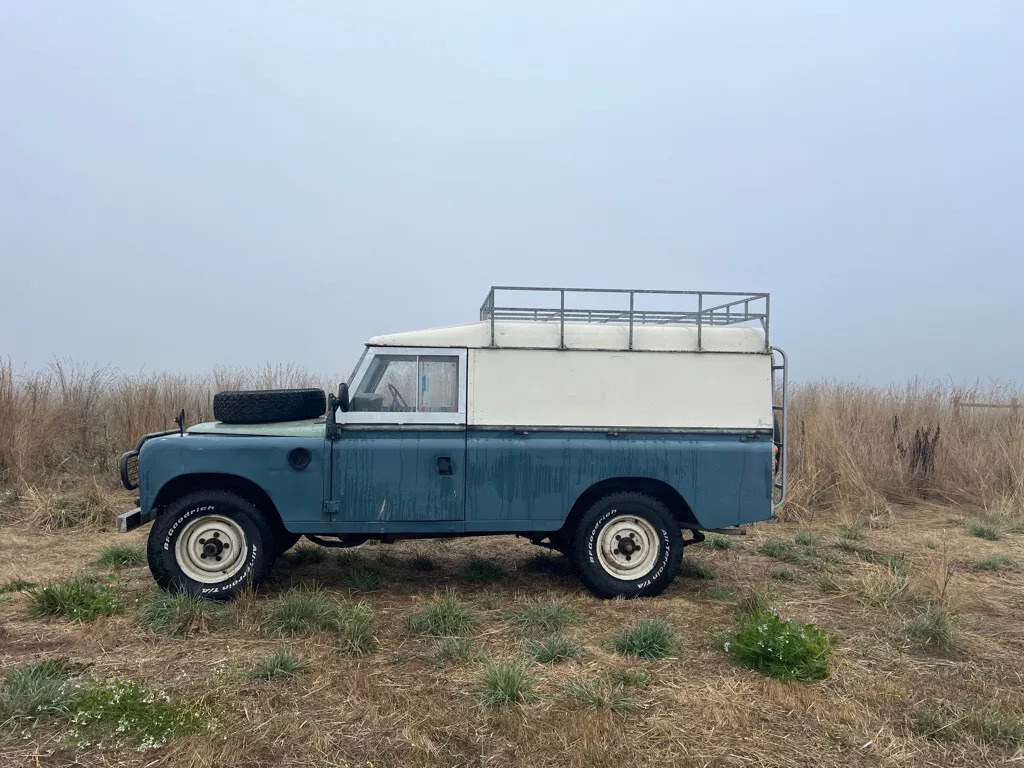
(187, 186)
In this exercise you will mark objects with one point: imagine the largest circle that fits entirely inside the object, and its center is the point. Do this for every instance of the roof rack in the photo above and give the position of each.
(623, 306)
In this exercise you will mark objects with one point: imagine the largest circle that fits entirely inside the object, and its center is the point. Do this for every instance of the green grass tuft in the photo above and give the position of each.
(16, 585)
(932, 627)
(175, 613)
(553, 649)
(853, 532)
(932, 544)
(306, 611)
(122, 556)
(944, 721)
(545, 617)
(506, 682)
(986, 528)
(280, 664)
(75, 598)
(650, 639)
(722, 542)
(356, 626)
(421, 563)
(807, 539)
(695, 569)
(720, 594)
(308, 554)
(452, 650)
(783, 575)
(483, 571)
(594, 695)
(994, 563)
(788, 552)
(443, 617)
(35, 689)
(364, 578)
(633, 677)
(763, 641)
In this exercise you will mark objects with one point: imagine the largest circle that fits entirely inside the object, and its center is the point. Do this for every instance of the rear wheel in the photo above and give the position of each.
(211, 544)
(627, 545)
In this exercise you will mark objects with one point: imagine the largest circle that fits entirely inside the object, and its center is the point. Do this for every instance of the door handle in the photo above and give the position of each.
(444, 465)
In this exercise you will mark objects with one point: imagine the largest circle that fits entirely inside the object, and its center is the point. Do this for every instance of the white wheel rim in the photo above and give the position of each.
(628, 547)
(211, 548)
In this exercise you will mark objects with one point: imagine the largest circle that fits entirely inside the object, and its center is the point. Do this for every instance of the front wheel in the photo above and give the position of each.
(211, 544)
(627, 545)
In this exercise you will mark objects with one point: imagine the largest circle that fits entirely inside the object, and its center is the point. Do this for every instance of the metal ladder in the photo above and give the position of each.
(779, 438)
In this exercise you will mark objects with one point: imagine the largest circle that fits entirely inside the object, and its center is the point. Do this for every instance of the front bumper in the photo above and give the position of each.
(129, 521)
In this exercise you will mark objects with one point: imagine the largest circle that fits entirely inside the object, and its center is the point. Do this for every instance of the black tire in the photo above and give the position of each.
(267, 405)
(257, 539)
(627, 508)
(286, 540)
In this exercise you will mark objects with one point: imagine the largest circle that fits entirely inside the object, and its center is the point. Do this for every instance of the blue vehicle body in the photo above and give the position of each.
(442, 480)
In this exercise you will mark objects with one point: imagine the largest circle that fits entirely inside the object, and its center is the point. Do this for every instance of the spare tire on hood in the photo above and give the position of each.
(266, 405)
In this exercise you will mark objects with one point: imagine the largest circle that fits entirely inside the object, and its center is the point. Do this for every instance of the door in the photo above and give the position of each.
(401, 451)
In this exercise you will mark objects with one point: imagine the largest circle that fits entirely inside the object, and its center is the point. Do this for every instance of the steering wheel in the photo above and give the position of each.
(397, 397)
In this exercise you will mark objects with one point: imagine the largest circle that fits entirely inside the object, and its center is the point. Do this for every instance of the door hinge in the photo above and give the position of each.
(330, 509)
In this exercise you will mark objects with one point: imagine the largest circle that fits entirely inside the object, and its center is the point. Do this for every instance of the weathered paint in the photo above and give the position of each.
(395, 475)
(388, 480)
(304, 428)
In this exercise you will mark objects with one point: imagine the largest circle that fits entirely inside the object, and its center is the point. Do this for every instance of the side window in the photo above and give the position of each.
(410, 384)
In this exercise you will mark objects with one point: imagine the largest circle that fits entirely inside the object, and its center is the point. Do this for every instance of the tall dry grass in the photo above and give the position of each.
(852, 448)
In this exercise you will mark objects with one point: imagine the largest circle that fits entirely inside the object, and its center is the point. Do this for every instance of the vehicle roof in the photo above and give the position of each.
(581, 336)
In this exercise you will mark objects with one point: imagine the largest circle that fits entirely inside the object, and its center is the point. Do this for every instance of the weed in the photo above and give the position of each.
(783, 575)
(721, 542)
(807, 539)
(421, 563)
(628, 677)
(308, 554)
(694, 569)
(553, 649)
(986, 528)
(280, 664)
(122, 556)
(75, 598)
(932, 627)
(544, 617)
(483, 571)
(650, 639)
(443, 617)
(34, 689)
(762, 640)
(175, 613)
(16, 585)
(452, 650)
(506, 682)
(994, 563)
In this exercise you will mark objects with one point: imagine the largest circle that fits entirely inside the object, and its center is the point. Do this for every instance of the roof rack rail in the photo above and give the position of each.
(622, 306)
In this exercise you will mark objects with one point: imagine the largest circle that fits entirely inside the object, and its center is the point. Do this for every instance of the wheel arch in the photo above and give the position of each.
(659, 489)
(178, 486)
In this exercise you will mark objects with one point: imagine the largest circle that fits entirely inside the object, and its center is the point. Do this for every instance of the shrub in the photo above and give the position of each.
(175, 613)
(554, 649)
(650, 639)
(506, 682)
(280, 664)
(694, 569)
(483, 571)
(76, 598)
(34, 689)
(444, 617)
(542, 616)
(122, 556)
(762, 640)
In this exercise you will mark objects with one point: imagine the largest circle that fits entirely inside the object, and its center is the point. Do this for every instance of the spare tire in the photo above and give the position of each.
(266, 405)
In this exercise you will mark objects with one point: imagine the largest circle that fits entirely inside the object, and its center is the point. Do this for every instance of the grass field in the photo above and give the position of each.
(903, 550)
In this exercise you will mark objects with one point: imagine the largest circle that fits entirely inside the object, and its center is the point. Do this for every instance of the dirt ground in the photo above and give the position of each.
(401, 705)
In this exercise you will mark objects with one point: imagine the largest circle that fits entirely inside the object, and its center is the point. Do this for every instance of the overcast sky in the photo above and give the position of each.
(189, 185)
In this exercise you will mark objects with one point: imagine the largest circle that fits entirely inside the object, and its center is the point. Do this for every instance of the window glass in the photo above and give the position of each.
(408, 383)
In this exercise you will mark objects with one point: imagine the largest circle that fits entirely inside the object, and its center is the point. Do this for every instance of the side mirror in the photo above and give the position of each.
(343, 402)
